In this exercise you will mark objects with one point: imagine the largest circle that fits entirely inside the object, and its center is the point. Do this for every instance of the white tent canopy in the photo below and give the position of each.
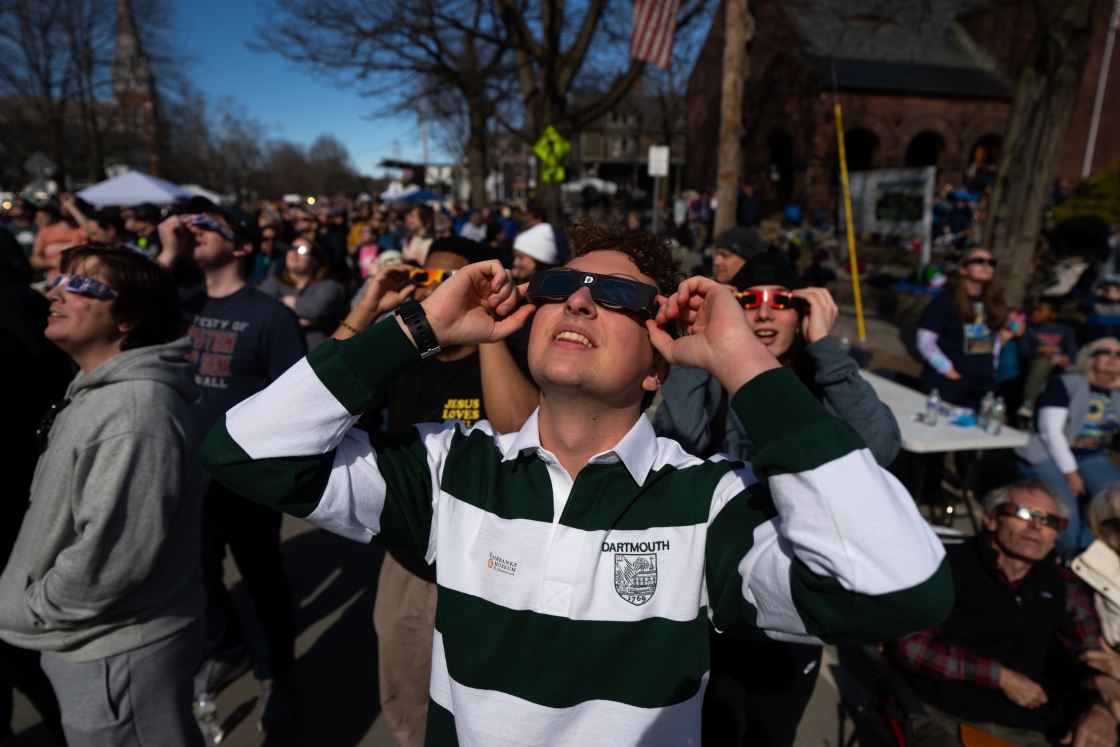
(133, 188)
(209, 194)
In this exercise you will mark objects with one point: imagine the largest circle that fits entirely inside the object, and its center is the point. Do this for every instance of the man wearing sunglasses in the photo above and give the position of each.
(993, 664)
(242, 340)
(795, 323)
(581, 560)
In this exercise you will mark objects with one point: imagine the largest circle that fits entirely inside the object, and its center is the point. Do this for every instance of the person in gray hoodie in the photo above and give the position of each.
(104, 578)
(795, 323)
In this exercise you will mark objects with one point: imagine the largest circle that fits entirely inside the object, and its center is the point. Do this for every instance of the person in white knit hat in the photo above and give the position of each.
(534, 249)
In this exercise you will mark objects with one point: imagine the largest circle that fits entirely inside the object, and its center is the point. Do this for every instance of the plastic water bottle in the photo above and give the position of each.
(995, 420)
(845, 343)
(206, 716)
(933, 407)
(984, 415)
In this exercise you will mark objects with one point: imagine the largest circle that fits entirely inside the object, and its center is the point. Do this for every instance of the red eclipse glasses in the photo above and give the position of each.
(778, 299)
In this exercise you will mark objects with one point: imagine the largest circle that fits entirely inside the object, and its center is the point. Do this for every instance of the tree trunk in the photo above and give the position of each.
(476, 154)
(1045, 96)
(736, 67)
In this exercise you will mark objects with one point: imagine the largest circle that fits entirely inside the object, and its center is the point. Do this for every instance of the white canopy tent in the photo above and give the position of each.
(133, 188)
(209, 194)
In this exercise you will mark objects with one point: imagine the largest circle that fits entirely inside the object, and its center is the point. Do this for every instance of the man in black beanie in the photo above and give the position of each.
(733, 248)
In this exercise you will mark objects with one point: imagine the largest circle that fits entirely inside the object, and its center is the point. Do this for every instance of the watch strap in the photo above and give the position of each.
(413, 315)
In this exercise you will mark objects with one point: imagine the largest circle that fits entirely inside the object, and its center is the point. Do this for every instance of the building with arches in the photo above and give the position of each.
(919, 83)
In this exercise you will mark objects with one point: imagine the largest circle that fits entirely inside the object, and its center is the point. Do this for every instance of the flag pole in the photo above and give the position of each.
(848, 220)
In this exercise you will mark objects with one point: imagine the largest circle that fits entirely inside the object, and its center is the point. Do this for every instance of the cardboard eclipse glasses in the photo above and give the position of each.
(609, 291)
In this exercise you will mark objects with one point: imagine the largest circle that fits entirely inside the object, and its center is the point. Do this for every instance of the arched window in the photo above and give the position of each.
(862, 148)
(925, 149)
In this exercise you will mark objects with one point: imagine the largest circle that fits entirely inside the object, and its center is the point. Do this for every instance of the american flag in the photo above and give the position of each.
(655, 22)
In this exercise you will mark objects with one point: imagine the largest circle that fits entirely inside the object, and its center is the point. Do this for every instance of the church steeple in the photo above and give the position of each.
(134, 87)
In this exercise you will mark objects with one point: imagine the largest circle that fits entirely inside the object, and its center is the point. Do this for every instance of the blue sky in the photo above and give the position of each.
(294, 105)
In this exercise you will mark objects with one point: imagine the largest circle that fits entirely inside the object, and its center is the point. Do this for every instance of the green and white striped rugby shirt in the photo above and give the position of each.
(578, 613)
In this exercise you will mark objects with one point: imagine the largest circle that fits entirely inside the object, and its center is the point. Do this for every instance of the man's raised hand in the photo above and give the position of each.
(719, 339)
(461, 311)
(387, 290)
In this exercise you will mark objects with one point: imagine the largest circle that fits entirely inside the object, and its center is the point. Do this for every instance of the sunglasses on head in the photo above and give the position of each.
(778, 299)
(82, 285)
(609, 291)
(981, 261)
(1026, 513)
(208, 222)
(1106, 351)
(424, 278)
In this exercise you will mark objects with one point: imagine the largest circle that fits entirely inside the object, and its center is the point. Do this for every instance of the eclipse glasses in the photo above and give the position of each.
(609, 291)
(1026, 513)
(82, 285)
(777, 299)
(424, 278)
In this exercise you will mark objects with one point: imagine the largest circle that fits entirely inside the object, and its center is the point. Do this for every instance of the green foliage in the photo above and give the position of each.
(1096, 196)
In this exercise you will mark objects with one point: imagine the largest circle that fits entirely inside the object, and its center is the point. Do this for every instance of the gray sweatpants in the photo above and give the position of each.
(140, 698)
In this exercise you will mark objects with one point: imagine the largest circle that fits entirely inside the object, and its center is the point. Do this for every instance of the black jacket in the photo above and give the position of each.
(1016, 627)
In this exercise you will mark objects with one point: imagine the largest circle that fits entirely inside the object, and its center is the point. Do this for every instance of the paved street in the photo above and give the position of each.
(334, 582)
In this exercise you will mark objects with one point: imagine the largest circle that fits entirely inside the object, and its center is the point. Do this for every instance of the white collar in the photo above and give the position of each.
(637, 449)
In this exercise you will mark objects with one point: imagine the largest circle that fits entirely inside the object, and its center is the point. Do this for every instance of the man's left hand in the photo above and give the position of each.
(1095, 727)
(719, 339)
(462, 309)
(821, 315)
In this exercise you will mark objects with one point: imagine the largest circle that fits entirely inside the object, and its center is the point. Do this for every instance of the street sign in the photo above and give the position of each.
(40, 164)
(659, 160)
(552, 174)
(42, 168)
(551, 149)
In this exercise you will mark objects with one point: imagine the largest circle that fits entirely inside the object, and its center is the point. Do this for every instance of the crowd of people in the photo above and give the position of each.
(620, 505)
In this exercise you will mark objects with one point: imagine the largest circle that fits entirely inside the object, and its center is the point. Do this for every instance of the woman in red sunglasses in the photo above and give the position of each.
(796, 324)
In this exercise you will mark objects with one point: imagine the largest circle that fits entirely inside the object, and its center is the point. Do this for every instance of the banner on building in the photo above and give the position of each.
(898, 201)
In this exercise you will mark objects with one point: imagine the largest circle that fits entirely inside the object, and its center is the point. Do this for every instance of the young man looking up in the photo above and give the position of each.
(581, 559)
(242, 341)
(104, 578)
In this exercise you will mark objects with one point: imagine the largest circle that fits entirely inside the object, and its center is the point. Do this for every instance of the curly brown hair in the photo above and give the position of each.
(652, 255)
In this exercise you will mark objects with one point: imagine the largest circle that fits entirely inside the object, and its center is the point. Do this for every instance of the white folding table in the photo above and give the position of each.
(919, 438)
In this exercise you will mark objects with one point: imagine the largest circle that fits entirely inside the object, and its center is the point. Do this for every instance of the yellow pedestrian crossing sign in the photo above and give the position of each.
(551, 149)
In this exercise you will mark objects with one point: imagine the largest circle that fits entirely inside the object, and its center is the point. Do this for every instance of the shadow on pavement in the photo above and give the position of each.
(334, 583)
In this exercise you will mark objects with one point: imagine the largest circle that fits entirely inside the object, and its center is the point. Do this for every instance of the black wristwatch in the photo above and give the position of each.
(413, 315)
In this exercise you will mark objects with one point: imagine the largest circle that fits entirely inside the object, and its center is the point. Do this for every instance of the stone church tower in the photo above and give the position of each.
(138, 111)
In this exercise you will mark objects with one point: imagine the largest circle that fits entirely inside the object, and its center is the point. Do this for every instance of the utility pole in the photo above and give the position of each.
(1102, 80)
(738, 31)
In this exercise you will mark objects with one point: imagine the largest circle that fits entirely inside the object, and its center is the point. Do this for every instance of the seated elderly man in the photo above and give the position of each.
(985, 665)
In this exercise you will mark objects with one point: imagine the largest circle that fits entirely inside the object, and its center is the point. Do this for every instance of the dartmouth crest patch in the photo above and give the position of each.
(635, 577)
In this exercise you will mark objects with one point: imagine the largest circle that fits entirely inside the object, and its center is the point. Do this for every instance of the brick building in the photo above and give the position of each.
(920, 83)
